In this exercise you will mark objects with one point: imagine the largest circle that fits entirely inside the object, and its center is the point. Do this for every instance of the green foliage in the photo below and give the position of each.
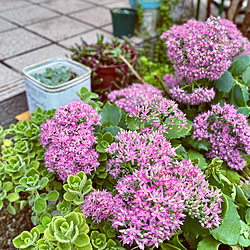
(239, 65)
(26, 240)
(111, 115)
(225, 82)
(68, 232)
(55, 76)
(148, 69)
(41, 116)
(76, 188)
(208, 243)
(87, 97)
(98, 240)
(229, 231)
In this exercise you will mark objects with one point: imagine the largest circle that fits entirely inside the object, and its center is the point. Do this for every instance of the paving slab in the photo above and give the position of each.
(28, 14)
(11, 4)
(5, 25)
(64, 7)
(97, 16)
(17, 41)
(59, 28)
(108, 28)
(20, 62)
(7, 75)
(90, 37)
(37, 1)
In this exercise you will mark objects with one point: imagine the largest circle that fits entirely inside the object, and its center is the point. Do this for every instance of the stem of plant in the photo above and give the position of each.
(162, 85)
(131, 68)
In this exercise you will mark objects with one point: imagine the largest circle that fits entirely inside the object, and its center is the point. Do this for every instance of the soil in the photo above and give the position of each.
(13, 225)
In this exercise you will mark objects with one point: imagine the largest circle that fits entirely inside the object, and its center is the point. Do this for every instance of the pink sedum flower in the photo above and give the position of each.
(203, 50)
(69, 139)
(155, 191)
(197, 97)
(135, 95)
(228, 133)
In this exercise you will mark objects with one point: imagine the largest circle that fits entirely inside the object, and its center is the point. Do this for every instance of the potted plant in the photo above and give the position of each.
(54, 82)
(109, 71)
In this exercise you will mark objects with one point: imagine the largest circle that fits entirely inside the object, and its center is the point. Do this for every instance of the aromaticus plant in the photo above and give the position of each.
(69, 139)
(68, 232)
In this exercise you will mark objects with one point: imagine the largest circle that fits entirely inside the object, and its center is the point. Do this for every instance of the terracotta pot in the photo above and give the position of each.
(110, 77)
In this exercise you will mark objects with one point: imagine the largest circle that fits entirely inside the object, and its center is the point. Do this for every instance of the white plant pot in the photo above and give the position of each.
(52, 97)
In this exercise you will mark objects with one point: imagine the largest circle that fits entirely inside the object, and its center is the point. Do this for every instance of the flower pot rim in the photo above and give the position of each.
(56, 59)
(131, 10)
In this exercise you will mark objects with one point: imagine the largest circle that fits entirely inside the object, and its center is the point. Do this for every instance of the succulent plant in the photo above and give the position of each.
(77, 187)
(27, 240)
(98, 240)
(55, 76)
(69, 232)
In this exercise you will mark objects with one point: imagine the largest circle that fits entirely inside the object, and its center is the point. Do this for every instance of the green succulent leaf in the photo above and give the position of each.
(52, 195)
(239, 65)
(229, 230)
(111, 115)
(246, 76)
(208, 243)
(225, 82)
(40, 205)
(13, 197)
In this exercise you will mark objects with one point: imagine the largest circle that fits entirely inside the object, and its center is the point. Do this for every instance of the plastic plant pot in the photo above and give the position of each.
(47, 97)
(123, 20)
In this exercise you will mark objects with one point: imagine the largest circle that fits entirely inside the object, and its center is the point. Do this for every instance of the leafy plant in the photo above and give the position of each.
(55, 76)
(69, 231)
(76, 188)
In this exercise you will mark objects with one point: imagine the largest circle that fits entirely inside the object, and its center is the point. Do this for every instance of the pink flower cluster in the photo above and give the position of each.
(132, 150)
(197, 97)
(203, 50)
(69, 139)
(153, 200)
(227, 131)
(170, 81)
(162, 114)
(135, 95)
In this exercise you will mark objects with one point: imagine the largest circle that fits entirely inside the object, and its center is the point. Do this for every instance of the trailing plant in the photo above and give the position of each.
(55, 76)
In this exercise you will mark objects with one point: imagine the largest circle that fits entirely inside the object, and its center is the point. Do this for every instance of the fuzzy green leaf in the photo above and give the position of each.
(40, 205)
(52, 195)
(13, 197)
(225, 82)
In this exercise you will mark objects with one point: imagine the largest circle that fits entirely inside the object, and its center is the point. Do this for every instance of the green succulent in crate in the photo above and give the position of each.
(68, 232)
(55, 76)
(76, 188)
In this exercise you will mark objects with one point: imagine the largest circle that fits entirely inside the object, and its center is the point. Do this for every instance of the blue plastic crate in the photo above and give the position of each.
(146, 4)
